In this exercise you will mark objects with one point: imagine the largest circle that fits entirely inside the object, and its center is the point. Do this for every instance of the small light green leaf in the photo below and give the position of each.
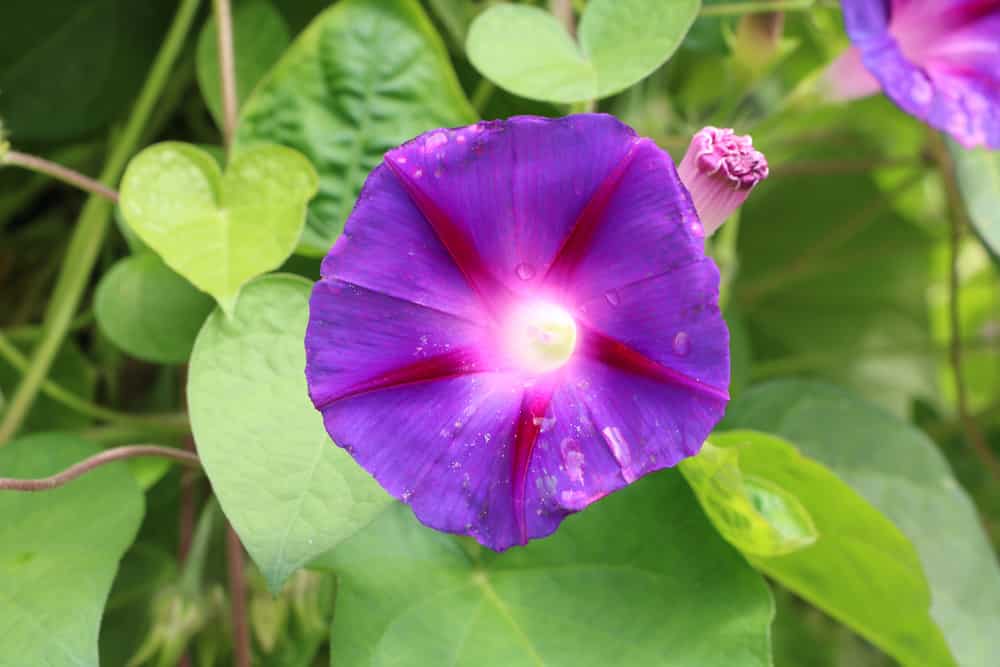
(289, 492)
(216, 230)
(900, 471)
(978, 173)
(344, 104)
(59, 550)
(527, 51)
(859, 568)
(627, 39)
(639, 578)
(149, 311)
(260, 36)
(755, 515)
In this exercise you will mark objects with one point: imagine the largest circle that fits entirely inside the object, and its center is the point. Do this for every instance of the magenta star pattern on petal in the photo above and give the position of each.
(938, 60)
(518, 320)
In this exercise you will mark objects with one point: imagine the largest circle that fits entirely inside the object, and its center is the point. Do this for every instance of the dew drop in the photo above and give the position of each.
(682, 344)
(697, 229)
(620, 451)
(525, 271)
(418, 173)
(573, 459)
(435, 140)
(613, 297)
(543, 423)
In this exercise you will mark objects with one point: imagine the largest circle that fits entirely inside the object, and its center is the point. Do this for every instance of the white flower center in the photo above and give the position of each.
(541, 336)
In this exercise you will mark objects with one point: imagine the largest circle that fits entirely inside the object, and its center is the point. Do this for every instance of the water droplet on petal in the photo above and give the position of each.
(435, 140)
(613, 297)
(525, 271)
(682, 344)
(620, 451)
(544, 424)
(572, 457)
(418, 173)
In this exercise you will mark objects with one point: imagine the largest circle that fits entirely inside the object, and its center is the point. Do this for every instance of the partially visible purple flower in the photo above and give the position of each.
(518, 320)
(938, 60)
(720, 169)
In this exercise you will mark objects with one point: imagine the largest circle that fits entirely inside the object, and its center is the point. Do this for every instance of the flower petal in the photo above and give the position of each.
(606, 428)
(953, 101)
(511, 190)
(443, 447)
(360, 341)
(647, 226)
(847, 78)
(672, 319)
(388, 247)
(938, 61)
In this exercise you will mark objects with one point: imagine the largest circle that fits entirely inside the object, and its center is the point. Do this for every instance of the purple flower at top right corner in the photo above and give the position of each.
(938, 60)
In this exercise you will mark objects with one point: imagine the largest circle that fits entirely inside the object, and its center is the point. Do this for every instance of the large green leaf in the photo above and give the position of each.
(978, 173)
(59, 550)
(149, 311)
(640, 578)
(67, 67)
(289, 492)
(819, 295)
(344, 103)
(218, 230)
(527, 51)
(260, 36)
(858, 567)
(899, 471)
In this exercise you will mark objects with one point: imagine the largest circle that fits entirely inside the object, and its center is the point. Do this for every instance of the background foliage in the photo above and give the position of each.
(846, 512)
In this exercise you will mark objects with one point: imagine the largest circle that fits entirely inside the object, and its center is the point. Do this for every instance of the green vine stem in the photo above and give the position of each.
(958, 218)
(57, 392)
(92, 226)
(95, 461)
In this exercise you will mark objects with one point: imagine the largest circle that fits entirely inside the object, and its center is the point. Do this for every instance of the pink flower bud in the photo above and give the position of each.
(719, 170)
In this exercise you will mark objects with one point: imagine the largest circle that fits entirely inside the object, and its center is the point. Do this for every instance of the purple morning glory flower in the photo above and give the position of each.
(938, 60)
(518, 320)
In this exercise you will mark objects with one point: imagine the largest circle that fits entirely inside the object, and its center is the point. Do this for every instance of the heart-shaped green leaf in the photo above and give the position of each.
(59, 550)
(149, 311)
(639, 578)
(218, 230)
(290, 493)
(344, 104)
(528, 52)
